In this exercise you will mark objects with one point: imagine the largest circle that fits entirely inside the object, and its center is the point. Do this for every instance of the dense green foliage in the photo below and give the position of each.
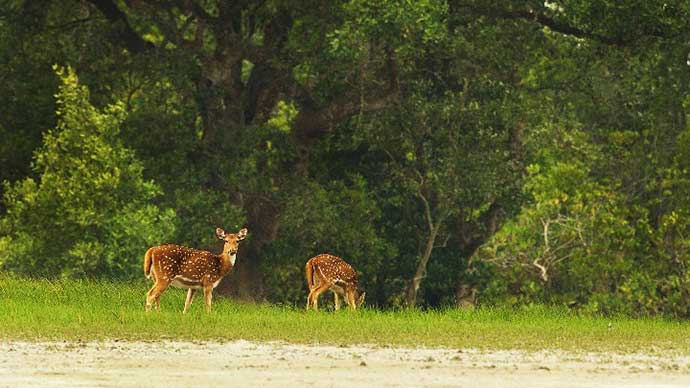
(35, 309)
(454, 151)
(91, 211)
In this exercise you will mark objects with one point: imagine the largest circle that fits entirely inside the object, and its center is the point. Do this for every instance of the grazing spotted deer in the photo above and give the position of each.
(327, 272)
(189, 268)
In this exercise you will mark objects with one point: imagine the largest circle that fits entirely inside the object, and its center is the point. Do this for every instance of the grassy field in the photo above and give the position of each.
(85, 310)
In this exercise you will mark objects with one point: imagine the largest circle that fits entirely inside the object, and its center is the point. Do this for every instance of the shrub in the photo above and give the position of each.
(90, 212)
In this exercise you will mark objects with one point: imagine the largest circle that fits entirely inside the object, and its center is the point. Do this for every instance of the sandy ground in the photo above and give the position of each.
(242, 363)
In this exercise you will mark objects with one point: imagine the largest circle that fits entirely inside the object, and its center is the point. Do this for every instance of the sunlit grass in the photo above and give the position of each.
(89, 310)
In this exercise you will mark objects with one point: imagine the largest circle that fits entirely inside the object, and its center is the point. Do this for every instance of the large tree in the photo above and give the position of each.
(248, 57)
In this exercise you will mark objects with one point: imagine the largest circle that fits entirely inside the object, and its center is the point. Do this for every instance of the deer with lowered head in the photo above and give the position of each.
(189, 268)
(327, 272)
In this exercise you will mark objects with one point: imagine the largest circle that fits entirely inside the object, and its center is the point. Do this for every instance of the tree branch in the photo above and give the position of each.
(310, 123)
(427, 211)
(542, 269)
(556, 25)
(563, 28)
(546, 234)
(132, 41)
(70, 24)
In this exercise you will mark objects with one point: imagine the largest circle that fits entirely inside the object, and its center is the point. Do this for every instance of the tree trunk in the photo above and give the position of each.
(246, 280)
(416, 281)
(471, 237)
(222, 106)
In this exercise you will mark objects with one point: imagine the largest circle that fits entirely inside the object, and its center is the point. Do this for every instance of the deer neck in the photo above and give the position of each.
(227, 259)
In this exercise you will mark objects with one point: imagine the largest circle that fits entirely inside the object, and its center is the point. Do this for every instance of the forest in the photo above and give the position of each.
(456, 153)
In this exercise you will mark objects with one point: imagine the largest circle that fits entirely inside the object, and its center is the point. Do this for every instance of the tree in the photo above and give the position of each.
(249, 57)
(90, 213)
(444, 168)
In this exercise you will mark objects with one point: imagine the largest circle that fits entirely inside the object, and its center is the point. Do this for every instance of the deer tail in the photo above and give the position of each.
(147, 264)
(309, 272)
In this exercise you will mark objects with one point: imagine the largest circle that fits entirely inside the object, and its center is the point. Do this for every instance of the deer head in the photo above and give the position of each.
(360, 300)
(232, 240)
(354, 299)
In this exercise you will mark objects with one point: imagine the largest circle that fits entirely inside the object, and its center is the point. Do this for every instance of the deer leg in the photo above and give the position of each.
(161, 288)
(318, 291)
(188, 302)
(149, 294)
(312, 288)
(154, 295)
(315, 300)
(208, 295)
(350, 298)
(150, 298)
(312, 297)
(336, 301)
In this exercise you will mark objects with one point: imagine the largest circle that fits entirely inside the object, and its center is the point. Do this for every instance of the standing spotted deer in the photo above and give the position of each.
(189, 268)
(327, 272)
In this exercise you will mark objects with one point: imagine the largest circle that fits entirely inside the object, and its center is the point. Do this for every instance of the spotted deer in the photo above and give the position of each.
(189, 268)
(327, 272)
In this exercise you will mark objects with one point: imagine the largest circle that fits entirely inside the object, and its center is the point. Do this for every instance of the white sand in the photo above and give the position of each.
(242, 363)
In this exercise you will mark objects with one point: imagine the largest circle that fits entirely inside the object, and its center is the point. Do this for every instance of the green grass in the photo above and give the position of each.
(88, 310)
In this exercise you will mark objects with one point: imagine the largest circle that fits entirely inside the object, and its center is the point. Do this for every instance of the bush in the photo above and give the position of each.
(90, 213)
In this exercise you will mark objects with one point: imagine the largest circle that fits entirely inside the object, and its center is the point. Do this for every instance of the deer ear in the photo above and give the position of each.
(220, 233)
(242, 234)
